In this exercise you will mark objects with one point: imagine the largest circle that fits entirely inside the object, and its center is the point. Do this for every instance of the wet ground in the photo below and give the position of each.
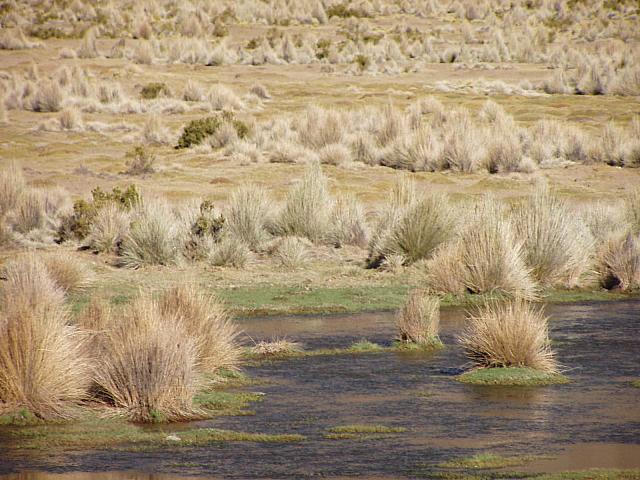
(592, 422)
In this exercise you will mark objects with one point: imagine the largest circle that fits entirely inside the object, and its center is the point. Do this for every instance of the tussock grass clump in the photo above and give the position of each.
(149, 367)
(204, 318)
(12, 184)
(291, 252)
(418, 320)
(108, 229)
(153, 237)
(248, 215)
(557, 245)
(348, 225)
(42, 368)
(413, 227)
(618, 263)
(632, 206)
(229, 252)
(69, 273)
(307, 207)
(486, 257)
(509, 334)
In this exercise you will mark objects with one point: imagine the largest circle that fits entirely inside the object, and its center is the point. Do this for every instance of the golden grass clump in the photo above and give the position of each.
(558, 247)
(418, 320)
(509, 334)
(618, 263)
(149, 368)
(486, 257)
(69, 273)
(204, 318)
(42, 367)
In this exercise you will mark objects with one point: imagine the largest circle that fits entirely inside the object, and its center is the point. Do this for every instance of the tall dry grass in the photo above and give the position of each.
(42, 366)
(307, 207)
(153, 238)
(204, 318)
(558, 246)
(418, 321)
(149, 368)
(509, 334)
(618, 263)
(249, 215)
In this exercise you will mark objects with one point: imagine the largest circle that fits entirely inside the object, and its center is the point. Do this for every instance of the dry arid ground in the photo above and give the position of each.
(496, 98)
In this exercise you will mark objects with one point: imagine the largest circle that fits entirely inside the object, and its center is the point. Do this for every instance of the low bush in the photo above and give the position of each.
(154, 90)
(195, 132)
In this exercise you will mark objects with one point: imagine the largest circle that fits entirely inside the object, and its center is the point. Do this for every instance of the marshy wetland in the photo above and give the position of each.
(397, 413)
(319, 238)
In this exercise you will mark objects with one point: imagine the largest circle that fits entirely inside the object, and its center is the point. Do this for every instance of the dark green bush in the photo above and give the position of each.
(154, 90)
(196, 131)
(78, 224)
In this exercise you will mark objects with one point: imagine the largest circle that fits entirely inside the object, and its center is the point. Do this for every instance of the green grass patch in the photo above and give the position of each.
(488, 461)
(635, 383)
(361, 432)
(93, 432)
(434, 344)
(365, 346)
(226, 403)
(363, 428)
(19, 418)
(513, 376)
(278, 299)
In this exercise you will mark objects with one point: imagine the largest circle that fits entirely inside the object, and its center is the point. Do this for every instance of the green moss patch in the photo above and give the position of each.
(218, 402)
(513, 376)
(635, 383)
(364, 346)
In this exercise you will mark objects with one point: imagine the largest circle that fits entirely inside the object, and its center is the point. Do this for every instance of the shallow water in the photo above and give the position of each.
(592, 422)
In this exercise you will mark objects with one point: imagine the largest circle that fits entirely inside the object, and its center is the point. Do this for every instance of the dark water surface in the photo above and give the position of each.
(592, 422)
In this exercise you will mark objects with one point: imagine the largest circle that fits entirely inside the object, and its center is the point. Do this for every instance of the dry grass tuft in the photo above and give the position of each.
(510, 334)
(229, 252)
(618, 263)
(68, 272)
(348, 225)
(557, 245)
(12, 184)
(204, 318)
(149, 366)
(418, 321)
(275, 347)
(248, 215)
(108, 229)
(307, 207)
(291, 252)
(42, 368)
(153, 237)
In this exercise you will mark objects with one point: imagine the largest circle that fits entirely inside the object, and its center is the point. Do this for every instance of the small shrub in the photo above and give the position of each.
(418, 321)
(510, 334)
(140, 162)
(196, 131)
(67, 272)
(78, 224)
(154, 90)
(557, 245)
(348, 225)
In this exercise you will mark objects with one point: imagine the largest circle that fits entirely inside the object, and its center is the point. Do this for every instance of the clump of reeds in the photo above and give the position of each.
(509, 334)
